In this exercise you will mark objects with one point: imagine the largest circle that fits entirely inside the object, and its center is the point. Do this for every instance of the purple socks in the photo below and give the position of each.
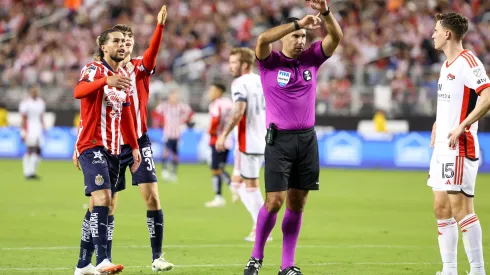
(291, 225)
(265, 224)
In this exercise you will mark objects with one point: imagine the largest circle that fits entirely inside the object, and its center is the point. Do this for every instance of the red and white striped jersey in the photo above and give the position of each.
(32, 110)
(460, 83)
(140, 78)
(100, 112)
(174, 117)
(220, 111)
(251, 128)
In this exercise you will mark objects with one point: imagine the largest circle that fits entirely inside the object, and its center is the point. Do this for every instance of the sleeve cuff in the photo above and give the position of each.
(481, 88)
(242, 99)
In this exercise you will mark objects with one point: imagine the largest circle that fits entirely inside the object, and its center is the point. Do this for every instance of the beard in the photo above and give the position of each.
(117, 58)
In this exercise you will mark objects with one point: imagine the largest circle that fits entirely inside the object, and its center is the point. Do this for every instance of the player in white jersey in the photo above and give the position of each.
(463, 98)
(32, 110)
(219, 111)
(249, 114)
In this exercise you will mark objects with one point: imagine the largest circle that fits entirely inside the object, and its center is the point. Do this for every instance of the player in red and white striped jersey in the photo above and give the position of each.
(32, 110)
(174, 115)
(463, 98)
(219, 111)
(104, 89)
(140, 70)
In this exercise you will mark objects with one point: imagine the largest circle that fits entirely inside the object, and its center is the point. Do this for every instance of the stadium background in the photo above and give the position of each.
(386, 65)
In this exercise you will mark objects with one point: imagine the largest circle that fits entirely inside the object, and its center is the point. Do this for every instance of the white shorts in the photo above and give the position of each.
(250, 165)
(452, 173)
(236, 162)
(33, 140)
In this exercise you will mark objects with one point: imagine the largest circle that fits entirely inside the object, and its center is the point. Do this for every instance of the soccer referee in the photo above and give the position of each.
(291, 155)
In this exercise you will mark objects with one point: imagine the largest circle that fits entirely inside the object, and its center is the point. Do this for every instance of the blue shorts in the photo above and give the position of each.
(173, 146)
(146, 172)
(218, 159)
(100, 170)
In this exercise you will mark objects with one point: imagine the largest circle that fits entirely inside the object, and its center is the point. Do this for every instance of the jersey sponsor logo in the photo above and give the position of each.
(98, 157)
(343, 149)
(451, 77)
(482, 80)
(99, 180)
(115, 113)
(444, 97)
(114, 98)
(477, 72)
(283, 78)
(146, 152)
(307, 75)
(413, 150)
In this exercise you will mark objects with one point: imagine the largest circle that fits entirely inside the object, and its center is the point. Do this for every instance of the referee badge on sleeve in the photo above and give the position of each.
(283, 78)
(307, 75)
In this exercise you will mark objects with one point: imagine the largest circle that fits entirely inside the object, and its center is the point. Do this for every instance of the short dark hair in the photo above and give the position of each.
(123, 28)
(102, 40)
(289, 20)
(455, 22)
(220, 86)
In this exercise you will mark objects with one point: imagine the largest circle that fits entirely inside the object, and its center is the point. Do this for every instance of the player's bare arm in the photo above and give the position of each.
(481, 109)
(237, 112)
(265, 39)
(332, 40)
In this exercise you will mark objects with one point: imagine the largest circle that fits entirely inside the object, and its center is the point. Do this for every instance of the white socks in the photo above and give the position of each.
(252, 199)
(448, 245)
(29, 163)
(472, 240)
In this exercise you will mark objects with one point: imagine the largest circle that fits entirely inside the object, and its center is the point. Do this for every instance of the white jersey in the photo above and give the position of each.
(33, 110)
(459, 85)
(251, 128)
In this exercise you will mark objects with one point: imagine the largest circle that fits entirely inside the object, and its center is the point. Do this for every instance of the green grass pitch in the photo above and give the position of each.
(360, 222)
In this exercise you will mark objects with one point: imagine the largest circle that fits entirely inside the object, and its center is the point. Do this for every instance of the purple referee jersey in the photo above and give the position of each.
(290, 87)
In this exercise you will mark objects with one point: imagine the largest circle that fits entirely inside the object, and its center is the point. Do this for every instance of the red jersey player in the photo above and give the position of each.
(140, 69)
(104, 89)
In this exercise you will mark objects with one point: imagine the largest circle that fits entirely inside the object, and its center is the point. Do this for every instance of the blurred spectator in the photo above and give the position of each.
(386, 42)
(379, 121)
(3, 116)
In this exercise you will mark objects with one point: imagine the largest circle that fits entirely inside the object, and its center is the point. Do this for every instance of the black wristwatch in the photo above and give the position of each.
(296, 25)
(327, 12)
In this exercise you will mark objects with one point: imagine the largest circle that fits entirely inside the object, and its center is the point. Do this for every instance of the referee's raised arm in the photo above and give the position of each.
(332, 40)
(265, 39)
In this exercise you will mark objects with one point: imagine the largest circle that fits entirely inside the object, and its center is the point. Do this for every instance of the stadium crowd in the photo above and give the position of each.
(386, 43)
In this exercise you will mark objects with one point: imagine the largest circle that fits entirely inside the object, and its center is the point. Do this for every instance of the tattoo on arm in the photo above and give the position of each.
(236, 114)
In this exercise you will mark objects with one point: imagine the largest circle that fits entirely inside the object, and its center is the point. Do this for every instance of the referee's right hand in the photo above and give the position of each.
(310, 22)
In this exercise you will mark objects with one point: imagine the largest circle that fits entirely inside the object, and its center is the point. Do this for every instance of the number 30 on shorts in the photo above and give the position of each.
(147, 155)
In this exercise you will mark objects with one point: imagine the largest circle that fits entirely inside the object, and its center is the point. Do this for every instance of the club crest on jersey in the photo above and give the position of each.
(99, 180)
(451, 77)
(307, 75)
(283, 78)
(477, 72)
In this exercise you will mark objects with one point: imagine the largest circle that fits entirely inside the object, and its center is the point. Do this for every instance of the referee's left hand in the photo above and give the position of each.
(454, 136)
(220, 144)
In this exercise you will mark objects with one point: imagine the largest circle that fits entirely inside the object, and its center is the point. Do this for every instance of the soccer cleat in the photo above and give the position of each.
(253, 266)
(292, 270)
(161, 264)
(107, 268)
(88, 270)
(218, 201)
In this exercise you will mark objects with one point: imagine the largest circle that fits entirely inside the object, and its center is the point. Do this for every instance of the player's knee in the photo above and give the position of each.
(102, 198)
(112, 207)
(251, 183)
(442, 211)
(216, 172)
(274, 203)
(152, 201)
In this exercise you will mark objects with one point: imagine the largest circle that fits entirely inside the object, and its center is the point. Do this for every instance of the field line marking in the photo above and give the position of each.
(374, 246)
(225, 265)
